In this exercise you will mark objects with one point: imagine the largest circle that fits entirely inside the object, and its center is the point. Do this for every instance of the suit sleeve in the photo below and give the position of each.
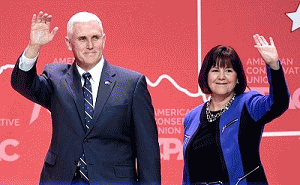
(146, 136)
(33, 87)
(276, 103)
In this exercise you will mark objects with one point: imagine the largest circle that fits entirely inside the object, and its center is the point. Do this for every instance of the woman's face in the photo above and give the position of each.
(222, 81)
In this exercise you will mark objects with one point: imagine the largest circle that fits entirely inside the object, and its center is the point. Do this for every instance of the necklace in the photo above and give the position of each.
(212, 117)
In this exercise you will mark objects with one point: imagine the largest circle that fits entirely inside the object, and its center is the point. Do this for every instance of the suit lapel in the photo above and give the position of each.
(107, 83)
(74, 82)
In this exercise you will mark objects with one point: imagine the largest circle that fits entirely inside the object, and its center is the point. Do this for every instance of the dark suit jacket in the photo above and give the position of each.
(121, 146)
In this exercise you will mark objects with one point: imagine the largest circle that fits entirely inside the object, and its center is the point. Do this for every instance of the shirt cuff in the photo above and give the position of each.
(26, 64)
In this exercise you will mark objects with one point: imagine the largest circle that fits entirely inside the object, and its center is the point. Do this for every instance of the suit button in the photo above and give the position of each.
(86, 141)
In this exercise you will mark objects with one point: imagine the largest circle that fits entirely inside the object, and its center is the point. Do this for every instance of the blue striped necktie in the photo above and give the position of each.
(89, 111)
(88, 100)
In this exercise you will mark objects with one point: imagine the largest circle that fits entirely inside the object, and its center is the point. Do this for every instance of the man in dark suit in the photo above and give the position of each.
(104, 131)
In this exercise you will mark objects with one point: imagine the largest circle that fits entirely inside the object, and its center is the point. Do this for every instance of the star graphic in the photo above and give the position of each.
(295, 17)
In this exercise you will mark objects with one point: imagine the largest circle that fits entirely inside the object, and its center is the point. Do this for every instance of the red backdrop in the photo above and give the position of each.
(166, 41)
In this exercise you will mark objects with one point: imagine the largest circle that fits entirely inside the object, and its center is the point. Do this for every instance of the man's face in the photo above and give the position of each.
(87, 43)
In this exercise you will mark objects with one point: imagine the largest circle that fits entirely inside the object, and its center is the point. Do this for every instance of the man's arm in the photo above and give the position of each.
(24, 78)
(147, 146)
(30, 85)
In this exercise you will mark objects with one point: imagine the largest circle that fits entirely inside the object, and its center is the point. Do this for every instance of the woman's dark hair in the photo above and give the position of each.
(222, 56)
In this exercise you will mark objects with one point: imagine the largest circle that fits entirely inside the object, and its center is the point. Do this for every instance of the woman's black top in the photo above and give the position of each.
(205, 159)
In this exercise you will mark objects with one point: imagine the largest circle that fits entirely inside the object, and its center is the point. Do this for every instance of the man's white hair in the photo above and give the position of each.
(82, 17)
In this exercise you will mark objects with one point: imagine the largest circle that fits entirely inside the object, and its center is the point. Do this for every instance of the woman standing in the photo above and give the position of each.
(222, 135)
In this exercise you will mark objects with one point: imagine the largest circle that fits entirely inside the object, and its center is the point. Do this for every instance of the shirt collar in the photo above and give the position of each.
(95, 71)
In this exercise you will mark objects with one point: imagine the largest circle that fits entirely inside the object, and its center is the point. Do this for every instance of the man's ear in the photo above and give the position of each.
(68, 42)
(104, 39)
